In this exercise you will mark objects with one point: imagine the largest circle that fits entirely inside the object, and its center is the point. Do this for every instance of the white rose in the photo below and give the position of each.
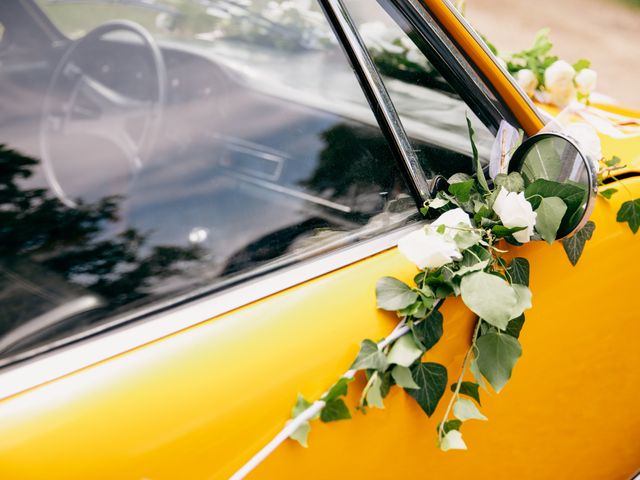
(428, 249)
(586, 81)
(586, 136)
(558, 80)
(527, 80)
(453, 218)
(515, 211)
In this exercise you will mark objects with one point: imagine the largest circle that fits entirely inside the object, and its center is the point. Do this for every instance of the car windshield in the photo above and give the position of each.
(154, 151)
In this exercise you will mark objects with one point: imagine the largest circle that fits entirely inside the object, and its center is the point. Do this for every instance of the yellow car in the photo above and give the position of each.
(196, 200)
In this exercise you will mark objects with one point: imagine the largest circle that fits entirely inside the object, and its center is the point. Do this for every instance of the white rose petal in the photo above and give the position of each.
(515, 211)
(588, 140)
(558, 79)
(527, 80)
(428, 249)
(586, 81)
(453, 218)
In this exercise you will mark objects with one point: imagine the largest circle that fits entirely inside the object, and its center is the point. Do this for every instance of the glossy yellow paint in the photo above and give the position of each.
(496, 77)
(201, 402)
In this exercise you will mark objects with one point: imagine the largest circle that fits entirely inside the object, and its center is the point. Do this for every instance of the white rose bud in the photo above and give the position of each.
(586, 81)
(527, 80)
(453, 218)
(515, 211)
(428, 249)
(558, 79)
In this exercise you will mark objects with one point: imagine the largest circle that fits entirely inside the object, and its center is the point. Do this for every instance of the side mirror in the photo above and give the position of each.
(552, 165)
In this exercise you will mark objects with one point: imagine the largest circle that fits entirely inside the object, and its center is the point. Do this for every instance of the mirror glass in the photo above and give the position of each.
(553, 166)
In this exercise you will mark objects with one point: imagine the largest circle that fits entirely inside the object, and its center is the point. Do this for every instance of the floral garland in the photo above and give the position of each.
(461, 254)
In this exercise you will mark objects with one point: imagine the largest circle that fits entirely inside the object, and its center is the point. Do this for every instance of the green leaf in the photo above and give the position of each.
(449, 425)
(581, 64)
(496, 356)
(475, 371)
(572, 195)
(462, 190)
(300, 406)
(502, 231)
(370, 356)
(630, 212)
(402, 377)
(550, 213)
(574, 245)
(523, 303)
(335, 410)
(374, 394)
(465, 410)
(519, 271)
(452, 441)
(428, 331)
(392, 294)
(459, 177)
(515, 326)
(512, 182)
(466, 239)
(301, 434)
(386, 383)
(404, 351)
(339, 388)
(489, 297)
(542, 162)
(432, 380)
(482, 181)
(608, 193)
(468, 388)
(613, 161)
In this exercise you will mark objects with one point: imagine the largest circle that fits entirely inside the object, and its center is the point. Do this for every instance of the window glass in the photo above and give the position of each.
(173, 147)
(432, 113)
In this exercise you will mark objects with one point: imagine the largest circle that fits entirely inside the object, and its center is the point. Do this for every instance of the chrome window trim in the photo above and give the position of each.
(50, 366)
(467, 26)
(378, 97)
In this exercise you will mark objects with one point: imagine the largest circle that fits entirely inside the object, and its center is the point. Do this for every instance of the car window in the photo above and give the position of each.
(432, 112)
(168, 149)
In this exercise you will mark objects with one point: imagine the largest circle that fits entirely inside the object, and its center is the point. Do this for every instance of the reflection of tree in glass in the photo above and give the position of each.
(37, 229)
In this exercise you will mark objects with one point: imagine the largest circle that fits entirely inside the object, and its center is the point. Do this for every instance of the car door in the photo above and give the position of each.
(247, 257)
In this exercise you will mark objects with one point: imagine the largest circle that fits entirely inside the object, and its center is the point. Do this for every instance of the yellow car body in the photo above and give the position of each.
(200, 401)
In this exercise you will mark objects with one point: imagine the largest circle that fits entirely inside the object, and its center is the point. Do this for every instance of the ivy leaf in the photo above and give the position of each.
(608, 193)
(465, 410)
(403, 378)
(404, 351)
(497, 355)
(429, 331)
(468, 388)
(300, 406)
(449, 425)
(512, 182)
(523, 303)
(374, 394)
(475, 371)
(338, 389)
(462, 190)
(370, 356)
(574, 245)
(502, 231)
(549, 216)
(630, 212)
(335, 410)
(392, 294)
(519, 271)
(432, 380)
(459, 178)
(482, 181)
(515, 326)
(613, 161)
(489, 297)
(452, 441)
(301, 434)
(581, 64)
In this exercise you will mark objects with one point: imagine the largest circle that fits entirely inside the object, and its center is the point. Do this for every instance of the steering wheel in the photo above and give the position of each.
(77, 103)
